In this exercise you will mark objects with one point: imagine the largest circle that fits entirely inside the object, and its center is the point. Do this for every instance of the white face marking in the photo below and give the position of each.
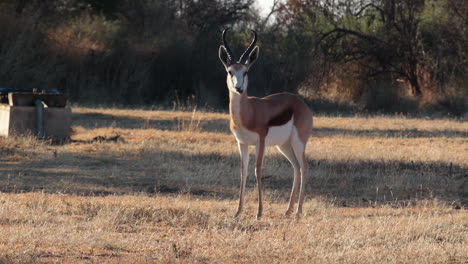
(237, 79)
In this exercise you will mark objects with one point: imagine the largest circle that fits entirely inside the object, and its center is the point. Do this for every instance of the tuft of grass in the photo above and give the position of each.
(190, 125)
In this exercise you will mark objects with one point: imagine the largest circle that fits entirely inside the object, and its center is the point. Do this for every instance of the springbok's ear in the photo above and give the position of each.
(253, 56)
(223, 56)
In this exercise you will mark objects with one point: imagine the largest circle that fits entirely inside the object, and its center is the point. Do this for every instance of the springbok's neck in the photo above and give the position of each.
(237, 105)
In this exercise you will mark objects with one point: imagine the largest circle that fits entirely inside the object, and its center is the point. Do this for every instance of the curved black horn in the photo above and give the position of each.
(229, 52)
(249, 49)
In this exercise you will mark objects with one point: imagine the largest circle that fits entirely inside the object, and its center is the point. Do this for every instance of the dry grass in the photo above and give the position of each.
(163, 229)
(161, 187)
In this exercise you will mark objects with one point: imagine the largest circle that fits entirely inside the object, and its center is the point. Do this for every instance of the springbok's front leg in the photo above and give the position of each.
(258, 173)
(244, 162)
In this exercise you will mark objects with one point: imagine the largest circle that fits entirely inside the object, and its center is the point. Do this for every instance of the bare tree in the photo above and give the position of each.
(396, 48)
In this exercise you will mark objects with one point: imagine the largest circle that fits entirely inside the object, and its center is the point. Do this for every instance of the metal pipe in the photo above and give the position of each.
(40, 119)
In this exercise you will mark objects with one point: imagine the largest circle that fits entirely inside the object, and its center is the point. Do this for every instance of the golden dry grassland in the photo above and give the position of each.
(138, 186)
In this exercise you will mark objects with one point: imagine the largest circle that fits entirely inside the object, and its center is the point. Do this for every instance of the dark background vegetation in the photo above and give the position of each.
(374, 55)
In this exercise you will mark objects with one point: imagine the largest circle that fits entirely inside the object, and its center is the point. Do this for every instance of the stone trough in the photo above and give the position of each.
(42, 114)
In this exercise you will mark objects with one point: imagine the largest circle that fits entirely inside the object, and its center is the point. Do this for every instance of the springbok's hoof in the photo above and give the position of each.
(288, 213)
(237, 215)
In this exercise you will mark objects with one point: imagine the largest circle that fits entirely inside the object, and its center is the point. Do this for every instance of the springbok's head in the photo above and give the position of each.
(237, 79)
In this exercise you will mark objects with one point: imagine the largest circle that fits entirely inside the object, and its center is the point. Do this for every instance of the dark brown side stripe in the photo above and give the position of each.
(282, 118)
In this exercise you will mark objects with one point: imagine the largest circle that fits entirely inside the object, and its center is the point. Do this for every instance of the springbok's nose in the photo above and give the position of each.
(237, 83)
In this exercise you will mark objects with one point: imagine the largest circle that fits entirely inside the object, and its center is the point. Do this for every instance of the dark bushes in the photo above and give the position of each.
(390, 56)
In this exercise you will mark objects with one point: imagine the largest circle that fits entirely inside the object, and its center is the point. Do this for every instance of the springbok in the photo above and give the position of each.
(282, 120)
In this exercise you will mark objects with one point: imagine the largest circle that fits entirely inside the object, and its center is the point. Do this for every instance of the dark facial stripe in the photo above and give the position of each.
(282, 118)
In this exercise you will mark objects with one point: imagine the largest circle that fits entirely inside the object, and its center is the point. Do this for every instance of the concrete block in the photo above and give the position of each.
(22, 120)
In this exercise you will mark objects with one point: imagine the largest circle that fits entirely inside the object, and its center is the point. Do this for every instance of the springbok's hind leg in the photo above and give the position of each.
(304, 176)
(299, 151)
(287, 150)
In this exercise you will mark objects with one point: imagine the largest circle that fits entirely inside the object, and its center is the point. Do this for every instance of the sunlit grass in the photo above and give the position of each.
(382, 190)
(139, 229)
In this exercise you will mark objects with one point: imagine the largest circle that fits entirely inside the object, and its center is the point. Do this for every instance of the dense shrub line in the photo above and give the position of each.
(392, 56)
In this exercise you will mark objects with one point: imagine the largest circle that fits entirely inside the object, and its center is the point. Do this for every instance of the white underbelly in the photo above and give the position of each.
(245, 136)
(277, 135)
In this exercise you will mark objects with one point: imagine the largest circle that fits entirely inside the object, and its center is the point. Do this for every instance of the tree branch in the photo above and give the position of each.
(380, 10)
(273, 10)
(350, 32)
